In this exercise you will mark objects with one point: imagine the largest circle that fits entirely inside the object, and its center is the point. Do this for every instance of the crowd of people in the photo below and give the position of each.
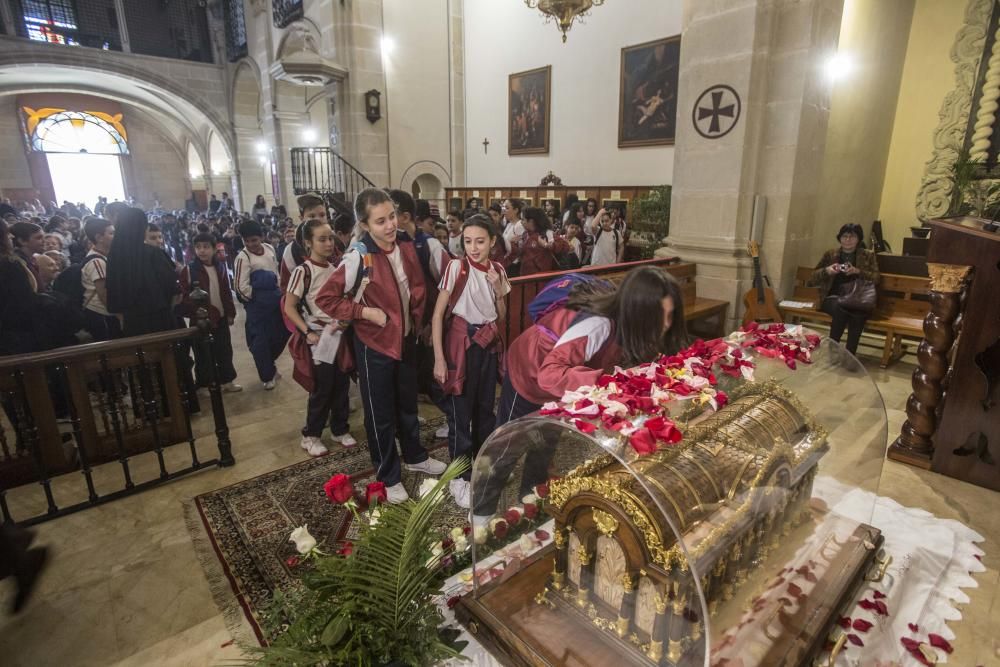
(389, 296)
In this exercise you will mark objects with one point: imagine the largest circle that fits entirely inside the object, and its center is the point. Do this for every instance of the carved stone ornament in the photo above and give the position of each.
(947, 278)
(934, 195)
(606, 523)
(551, 179)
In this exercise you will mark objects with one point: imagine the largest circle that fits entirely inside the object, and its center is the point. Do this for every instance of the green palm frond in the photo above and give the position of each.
(375, 605)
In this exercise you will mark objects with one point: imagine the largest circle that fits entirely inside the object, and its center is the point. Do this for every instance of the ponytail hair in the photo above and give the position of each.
(366, 199)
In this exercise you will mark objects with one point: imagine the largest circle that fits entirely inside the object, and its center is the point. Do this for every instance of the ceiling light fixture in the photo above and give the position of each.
(563, 12)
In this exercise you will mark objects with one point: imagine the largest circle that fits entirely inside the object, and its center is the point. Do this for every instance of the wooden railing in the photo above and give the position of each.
(524, 288)
(74, 408)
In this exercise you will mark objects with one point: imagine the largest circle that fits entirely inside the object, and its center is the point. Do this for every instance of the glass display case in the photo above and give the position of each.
(738, 538)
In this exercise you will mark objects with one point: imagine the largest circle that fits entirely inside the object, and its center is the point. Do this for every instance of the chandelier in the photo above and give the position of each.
(564, 12)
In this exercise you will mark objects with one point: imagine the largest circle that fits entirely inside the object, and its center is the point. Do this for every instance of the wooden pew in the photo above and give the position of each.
(903, 302)
(697, 310)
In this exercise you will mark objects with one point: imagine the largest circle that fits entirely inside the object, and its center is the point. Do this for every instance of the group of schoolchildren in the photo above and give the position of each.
(379, 299)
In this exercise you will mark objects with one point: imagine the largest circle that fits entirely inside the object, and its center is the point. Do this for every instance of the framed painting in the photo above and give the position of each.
(528, 107)
(647, 100)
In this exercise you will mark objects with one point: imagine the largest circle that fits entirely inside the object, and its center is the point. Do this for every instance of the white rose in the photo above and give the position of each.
(457, 533)
(437, 550)
(374, 516)
(461, 544)
(304, 542)
(529, 499)
(426, 486)
(527, 543)
(479, 534)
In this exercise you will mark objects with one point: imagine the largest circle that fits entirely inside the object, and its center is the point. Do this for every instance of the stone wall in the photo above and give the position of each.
(14, 171)
(155, 168)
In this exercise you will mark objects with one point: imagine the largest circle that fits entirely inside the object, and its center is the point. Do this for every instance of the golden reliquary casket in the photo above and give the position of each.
(670, 558)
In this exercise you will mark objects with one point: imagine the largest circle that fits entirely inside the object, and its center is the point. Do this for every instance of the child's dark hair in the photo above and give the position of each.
(516, 204)
(305, 231)
(94, 227)
(343, 224)
(308, 201)
(403, 201)
(366, 199)
(250, 228)
(496, 208)
(153, 227)
(483, 222)
(440, 226)
(204, 237)
(636, 309)
(537, 216)
(23, 231)
(455, 213)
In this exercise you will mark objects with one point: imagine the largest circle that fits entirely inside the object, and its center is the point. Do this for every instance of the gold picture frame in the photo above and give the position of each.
(529, 97)
(647, 98)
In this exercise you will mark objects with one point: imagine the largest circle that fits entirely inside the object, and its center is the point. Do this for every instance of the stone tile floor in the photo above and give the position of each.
(124, 586)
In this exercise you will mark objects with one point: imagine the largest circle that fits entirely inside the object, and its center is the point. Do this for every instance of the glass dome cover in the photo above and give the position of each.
(690, 511)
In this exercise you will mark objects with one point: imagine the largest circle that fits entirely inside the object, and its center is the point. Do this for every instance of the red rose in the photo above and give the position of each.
(500, 530)
(452, 601)
(542, 490)
(512, 516)
(530, 510)
(447, 543)
(375, 493)
(339, 488)
(466, 529)
(292, 561)
(347, 549)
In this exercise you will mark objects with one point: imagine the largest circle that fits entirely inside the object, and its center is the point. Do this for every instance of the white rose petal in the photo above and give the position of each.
(479, 534)
(437, 549)
(457, 532)
(374, 516)
(530, 499)
(461, 544)
(527, 543)
(495, 522)
(426, 486)
(304, 542)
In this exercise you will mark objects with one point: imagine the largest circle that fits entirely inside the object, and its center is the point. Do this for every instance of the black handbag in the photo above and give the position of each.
(858, 296)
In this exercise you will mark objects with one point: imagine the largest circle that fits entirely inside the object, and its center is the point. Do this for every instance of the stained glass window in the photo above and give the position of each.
(61, 131)
(44, 18)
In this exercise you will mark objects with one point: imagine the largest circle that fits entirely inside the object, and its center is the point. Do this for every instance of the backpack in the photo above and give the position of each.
(556, 293)
(70, 283)
(244, 251)
(361, 281)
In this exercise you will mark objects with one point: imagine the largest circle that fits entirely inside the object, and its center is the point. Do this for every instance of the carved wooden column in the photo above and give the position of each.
(914, 444)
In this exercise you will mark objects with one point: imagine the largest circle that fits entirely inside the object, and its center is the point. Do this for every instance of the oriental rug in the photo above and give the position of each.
(240, 532)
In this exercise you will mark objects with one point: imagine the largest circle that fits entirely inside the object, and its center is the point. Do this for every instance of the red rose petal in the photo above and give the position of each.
(937, 641)
(794, 590)
(880, 608)
(452, 601)
(584, 427)
(913, 627)
(861, 625)
(541, 535)
(854, 639)
(844, 622)
(909, 643)
(867, 605)
(878, 595)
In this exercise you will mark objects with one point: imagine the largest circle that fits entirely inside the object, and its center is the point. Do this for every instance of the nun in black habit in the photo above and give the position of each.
(141, 279)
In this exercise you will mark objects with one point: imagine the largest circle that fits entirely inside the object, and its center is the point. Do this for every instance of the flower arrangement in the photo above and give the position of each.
(635, 402)
(371, 602)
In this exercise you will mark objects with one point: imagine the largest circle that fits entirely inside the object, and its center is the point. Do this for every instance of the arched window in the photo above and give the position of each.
(61, 131)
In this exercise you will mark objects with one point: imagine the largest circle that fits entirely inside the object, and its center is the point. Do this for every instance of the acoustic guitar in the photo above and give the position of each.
(759, 301)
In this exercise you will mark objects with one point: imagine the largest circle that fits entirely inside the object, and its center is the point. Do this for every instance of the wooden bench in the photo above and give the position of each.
(903, 302)
(697, 310)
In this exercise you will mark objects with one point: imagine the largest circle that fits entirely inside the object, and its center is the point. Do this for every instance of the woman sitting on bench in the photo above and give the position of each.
(834, 274)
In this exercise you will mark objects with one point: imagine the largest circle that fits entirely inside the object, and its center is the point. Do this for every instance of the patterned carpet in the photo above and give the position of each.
(241, 531)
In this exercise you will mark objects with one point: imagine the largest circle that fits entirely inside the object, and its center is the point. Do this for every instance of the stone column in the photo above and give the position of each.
(751, 120)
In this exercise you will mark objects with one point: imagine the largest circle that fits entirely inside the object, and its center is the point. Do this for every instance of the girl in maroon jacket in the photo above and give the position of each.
(536, 249)
(379, 285)
(572, 347)
(467, 344)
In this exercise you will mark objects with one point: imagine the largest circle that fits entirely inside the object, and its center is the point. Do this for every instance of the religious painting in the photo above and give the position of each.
(647, 102)
(528, 104)
(455, 204)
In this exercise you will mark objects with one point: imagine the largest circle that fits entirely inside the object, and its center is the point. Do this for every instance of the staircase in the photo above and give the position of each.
(324, 171)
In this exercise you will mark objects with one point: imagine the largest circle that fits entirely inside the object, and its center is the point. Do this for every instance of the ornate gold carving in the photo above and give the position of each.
(583, 556)
(655, 651)
(947, 277)
(559, 537)
(675, 651)
(542, 598)
(557, 579)
(934, 196)
(660, 602)
(621, 627)
(606, 523)
(680, 602)
(628, 583)
(582, 597)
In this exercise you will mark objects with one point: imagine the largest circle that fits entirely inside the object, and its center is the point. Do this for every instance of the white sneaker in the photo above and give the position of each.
(430, 467)
(397, 494)
(314, 446)
(232, 388)
(442, 432)
(347, 440)
(460, 491)
(269, 385)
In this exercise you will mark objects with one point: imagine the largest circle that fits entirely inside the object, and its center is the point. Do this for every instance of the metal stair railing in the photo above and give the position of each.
(324, 171)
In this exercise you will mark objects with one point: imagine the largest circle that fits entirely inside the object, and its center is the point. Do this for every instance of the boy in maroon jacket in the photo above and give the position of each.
(212, 275)
(385, 318)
